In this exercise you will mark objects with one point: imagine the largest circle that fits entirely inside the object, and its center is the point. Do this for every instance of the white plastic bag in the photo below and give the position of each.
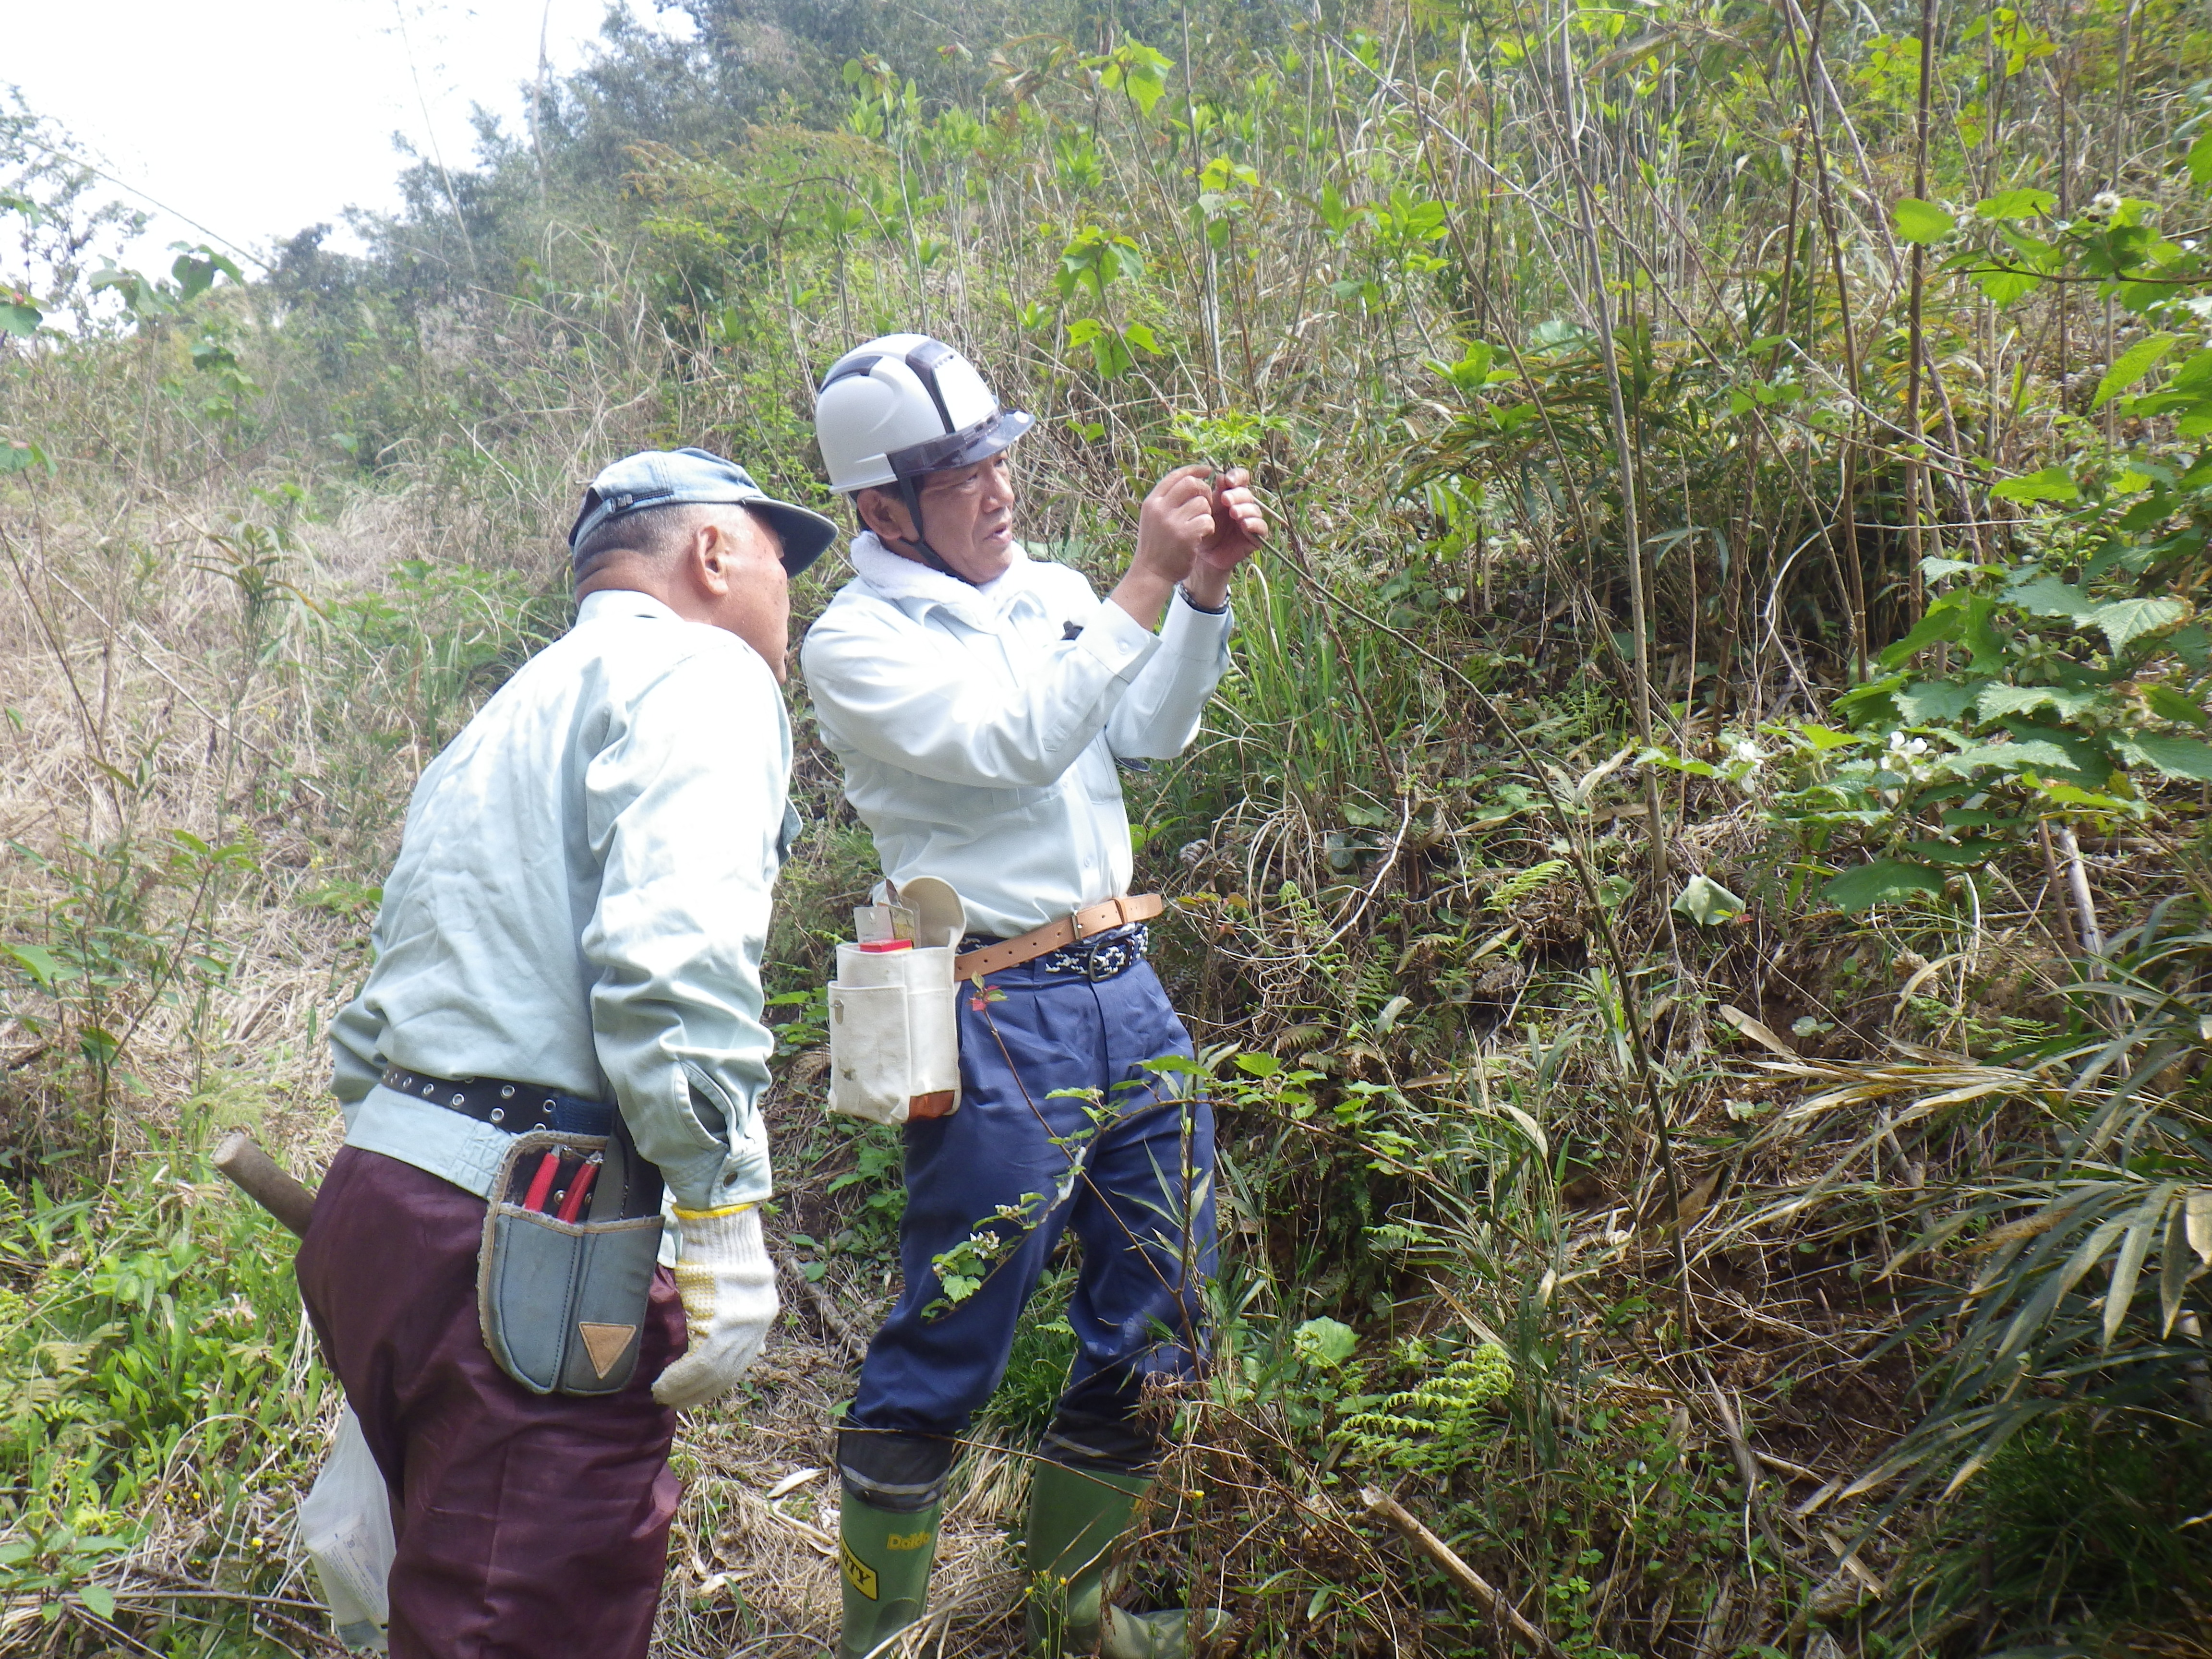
(345, 1527)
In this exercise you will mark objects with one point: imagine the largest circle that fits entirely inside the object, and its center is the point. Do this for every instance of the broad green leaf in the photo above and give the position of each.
(1325, 1342)
(1936, 700)
(2047, 596)
(1706, 902)
(1883, 880)
(2052, 483)
(14, 456)
(2200, 158)
(2137, 361)
(1942, 623)
(2016, 204)
(2003, 287)
(2124, 620)
(99, 1599)
(2016, 756)
(1936, 569)
(1997, 700)
(2178, 757)
(19, 317)
(1921, 221)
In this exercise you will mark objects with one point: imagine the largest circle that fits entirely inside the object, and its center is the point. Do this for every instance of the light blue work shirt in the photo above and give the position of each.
(979, 727)
(580, 902)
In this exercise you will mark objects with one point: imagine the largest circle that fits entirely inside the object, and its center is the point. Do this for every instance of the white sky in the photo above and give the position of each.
(258, 118)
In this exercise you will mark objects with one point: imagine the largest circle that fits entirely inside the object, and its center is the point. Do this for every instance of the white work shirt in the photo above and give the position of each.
(979, 739)
(581, 900)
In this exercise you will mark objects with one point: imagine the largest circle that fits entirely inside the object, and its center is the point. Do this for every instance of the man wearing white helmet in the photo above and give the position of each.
(981, 703)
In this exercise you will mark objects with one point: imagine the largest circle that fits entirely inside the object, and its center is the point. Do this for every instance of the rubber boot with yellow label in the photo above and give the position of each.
(885, 1556)
(1077, 1517)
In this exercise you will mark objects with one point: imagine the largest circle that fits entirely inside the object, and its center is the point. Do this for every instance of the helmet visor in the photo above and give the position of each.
(995, 432)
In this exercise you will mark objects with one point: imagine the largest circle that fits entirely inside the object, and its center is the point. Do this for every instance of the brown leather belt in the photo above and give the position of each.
(1057, 935)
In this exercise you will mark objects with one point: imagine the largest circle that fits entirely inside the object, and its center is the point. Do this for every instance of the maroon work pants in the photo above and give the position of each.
(527, 1524)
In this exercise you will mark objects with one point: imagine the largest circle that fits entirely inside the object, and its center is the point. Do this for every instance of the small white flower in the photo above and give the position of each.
(1749, 753)
(2104, 204)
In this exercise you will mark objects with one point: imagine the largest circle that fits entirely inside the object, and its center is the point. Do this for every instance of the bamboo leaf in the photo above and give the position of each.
(2129, 1267)
(2173, 1270)
(2200, 1224)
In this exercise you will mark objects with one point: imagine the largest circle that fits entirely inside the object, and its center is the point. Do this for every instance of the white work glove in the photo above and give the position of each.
(722, 1273)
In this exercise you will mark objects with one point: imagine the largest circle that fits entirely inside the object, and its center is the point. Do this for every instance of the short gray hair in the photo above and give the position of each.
(654, 534)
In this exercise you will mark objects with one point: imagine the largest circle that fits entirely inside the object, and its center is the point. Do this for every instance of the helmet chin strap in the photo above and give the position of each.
(923, 553)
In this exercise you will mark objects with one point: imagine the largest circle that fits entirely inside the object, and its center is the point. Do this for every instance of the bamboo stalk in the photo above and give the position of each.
(1385, 1507)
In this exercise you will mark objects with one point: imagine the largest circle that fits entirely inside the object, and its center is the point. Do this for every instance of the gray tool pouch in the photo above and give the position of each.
(563, 1304)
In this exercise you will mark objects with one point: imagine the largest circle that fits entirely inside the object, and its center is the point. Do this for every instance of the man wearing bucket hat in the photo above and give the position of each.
(568, 961)
(983, 703)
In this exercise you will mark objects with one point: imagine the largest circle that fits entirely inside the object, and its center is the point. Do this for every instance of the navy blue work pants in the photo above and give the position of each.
(1128, 1165)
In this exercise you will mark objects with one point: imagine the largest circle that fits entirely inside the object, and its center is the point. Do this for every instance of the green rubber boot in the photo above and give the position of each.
(885, 1555)
(1076, 1517)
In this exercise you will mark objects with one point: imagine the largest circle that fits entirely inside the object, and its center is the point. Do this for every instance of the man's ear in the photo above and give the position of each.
(883, 513)
(710, 559)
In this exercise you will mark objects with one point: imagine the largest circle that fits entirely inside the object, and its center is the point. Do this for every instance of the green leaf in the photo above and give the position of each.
(1997, 700)
(1921, 221)
(2047, 596)
(36, 960)
(2169, 704)
(19, 317)
(2052, 483)
(1936, 700)
(2178, 757)
(2137, 361)
(2003, 287)
(1883, 880)
(1936, 569)
(99, 1598)
(1325, 1342)
(2124, 620)
(1975, 849)
(2200, 158)
(1942, 623)
(2016, 204)
(14, 456)
(2016, 756)
(1706, 902)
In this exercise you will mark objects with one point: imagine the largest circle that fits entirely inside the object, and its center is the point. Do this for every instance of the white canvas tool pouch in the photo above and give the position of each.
(893, 1031)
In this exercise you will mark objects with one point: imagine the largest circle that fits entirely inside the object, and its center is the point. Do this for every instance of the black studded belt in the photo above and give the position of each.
(517, 1107)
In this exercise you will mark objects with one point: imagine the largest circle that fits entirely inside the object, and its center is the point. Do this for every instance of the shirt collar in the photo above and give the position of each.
(896, 578)
(612, 602)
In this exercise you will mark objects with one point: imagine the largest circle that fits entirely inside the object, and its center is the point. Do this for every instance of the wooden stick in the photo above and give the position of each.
(1389, 1509)
(264, 1181)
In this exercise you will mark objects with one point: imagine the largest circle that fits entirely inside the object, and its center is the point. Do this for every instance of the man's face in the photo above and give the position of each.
(968, 515)
(755, 604)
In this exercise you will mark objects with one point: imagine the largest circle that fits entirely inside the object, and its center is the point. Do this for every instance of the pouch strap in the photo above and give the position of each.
(1057, 935)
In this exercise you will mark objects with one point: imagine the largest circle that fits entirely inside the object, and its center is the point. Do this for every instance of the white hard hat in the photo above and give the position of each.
(904, 405)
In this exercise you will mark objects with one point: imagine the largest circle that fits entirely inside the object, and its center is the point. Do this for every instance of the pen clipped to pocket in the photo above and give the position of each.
(572, 1234)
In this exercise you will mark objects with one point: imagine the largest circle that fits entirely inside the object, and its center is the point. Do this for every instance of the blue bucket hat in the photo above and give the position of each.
(694, 477)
